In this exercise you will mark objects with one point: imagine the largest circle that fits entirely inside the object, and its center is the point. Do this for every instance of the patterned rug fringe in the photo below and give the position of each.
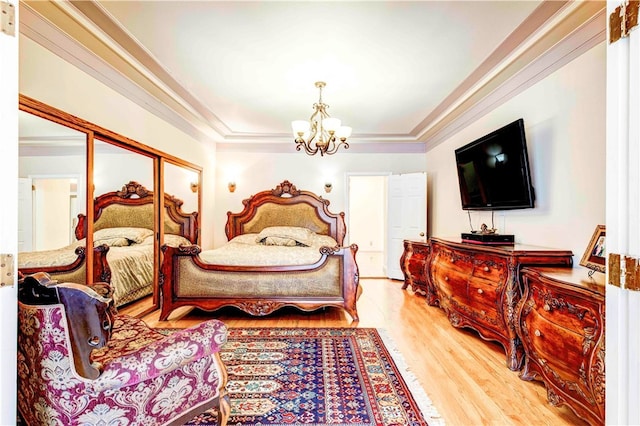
(429, 411)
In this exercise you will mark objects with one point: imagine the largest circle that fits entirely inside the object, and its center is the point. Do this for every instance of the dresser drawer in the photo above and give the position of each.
(416, 267)
(484, 294)
(451, 280)
(492, 269)
(558, 350)
(564, 310)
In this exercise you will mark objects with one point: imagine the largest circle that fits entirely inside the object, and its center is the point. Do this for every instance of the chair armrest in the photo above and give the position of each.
(162, 356)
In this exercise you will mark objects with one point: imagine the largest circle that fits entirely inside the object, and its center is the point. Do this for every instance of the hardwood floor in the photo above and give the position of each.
(465, 376)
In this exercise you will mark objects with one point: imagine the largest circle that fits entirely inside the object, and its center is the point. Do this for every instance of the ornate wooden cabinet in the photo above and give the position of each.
(560, 320)
(414, 265)
(478, 286)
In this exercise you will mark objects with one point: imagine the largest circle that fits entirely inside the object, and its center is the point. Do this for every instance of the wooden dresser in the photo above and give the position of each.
(413, 264)
(478, 286)
(560, 319)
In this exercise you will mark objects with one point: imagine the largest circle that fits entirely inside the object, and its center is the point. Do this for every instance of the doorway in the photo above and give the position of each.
(367, 218)
(40, 196)
(382, 211)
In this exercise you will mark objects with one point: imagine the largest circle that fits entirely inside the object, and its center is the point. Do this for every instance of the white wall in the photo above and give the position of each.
(564, 118)
(49, 79)
(255, 172)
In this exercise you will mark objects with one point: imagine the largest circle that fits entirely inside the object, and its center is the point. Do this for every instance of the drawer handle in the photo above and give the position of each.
(486, 269)
(446, 278)
(547, 307)
(537, 333)
(480, 291)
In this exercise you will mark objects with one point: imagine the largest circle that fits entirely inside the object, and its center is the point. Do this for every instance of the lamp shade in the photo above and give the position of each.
(299, 126)
(343, 132)
(331, 124)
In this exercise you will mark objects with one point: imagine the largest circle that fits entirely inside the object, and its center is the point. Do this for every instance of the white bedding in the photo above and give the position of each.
(245, 250)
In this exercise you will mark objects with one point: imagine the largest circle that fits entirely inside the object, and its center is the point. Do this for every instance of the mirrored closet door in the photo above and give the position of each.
(102, 190)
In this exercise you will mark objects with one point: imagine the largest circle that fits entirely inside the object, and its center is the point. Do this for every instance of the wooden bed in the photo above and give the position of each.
(72, 270)
(124, 220)
(189, 278)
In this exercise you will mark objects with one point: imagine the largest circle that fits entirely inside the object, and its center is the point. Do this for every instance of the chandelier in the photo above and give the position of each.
(327, 132)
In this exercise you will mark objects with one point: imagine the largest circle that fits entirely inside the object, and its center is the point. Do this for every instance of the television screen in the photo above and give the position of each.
(493, 171)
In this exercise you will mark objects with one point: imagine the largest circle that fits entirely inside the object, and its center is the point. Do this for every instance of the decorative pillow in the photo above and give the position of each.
(279, 241)
(136, 235)
(112, 242)
(250, 239)
(285, 236)
(324, 240)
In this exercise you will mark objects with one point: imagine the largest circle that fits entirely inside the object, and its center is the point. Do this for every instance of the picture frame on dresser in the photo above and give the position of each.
(594, 256)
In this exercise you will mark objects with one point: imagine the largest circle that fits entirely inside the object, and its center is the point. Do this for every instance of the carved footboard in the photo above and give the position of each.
(185, 280)
(76, 272)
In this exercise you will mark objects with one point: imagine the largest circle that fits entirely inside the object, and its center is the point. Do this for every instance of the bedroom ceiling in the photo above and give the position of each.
(404, 75)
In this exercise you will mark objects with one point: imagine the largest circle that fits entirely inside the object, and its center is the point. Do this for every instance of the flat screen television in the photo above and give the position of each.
(493, 171)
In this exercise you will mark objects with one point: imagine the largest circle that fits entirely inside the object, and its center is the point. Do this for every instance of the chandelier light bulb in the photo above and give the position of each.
(343, 132)
(331, 124)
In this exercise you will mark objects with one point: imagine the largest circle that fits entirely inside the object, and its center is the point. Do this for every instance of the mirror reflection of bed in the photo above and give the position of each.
(124, 230)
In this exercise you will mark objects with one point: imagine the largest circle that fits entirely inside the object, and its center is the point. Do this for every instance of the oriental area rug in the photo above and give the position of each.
(336, 376)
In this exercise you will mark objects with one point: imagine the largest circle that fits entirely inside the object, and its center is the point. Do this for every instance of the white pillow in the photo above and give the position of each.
(136, 235)
(285, 236)
(112, 242)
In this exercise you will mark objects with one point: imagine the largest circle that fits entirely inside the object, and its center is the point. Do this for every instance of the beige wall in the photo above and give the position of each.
(49, 79)
(254, 172)
(564, 118)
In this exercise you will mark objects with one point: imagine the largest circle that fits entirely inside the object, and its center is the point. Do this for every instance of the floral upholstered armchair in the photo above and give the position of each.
(130, 375)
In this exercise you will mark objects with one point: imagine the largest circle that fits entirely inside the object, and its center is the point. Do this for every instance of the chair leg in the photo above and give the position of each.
(224, 410)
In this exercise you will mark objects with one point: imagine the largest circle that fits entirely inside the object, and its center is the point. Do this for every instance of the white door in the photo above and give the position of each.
(623, 229)
(407, 215)
(52, 231)
(25, 215)
(9, 216)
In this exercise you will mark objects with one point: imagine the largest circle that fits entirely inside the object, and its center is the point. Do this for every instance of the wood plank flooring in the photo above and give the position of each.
(465, 376)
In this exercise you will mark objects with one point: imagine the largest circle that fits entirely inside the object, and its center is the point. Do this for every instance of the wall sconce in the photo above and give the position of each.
(194, 186)
(328, 186)
(231, 186)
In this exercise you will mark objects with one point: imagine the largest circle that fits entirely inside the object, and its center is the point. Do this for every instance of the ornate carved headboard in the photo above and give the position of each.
(133, 206)
(286, 206)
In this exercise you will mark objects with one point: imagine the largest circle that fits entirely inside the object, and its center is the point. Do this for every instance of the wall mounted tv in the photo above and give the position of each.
(493, 171)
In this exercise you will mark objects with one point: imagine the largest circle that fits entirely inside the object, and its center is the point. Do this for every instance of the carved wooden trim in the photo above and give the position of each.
(285, 187)
(133, 188)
